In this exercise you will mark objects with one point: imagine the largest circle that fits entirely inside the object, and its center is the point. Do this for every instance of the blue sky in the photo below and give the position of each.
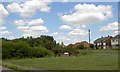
(60, 20)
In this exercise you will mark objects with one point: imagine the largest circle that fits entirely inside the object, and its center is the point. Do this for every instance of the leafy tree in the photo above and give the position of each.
(62, 44)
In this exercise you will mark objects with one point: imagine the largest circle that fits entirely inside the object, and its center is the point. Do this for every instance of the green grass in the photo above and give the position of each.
(97, 60)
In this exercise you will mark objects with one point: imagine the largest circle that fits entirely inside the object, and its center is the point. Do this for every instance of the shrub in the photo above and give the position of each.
(11, 49)
(85, 52)
(115, 48)
(39, 52)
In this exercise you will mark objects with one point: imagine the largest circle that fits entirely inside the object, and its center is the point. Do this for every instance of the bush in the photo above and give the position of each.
(85, 52)
(39, 52)
(11, 49)
(22, 50)
(115, 48)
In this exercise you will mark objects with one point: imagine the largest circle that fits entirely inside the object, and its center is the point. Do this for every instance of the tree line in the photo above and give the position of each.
(43, 46)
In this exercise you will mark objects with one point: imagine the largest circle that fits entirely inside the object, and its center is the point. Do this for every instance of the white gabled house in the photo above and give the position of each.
(115, 41)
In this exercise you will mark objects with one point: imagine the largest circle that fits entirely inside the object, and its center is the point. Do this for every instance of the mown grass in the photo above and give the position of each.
(97, 60)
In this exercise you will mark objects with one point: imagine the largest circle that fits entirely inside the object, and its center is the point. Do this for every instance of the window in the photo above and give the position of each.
(97, 43)
(113, 40)
(104, 43)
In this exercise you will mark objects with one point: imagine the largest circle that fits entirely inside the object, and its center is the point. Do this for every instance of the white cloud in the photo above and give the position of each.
(2, 28)
(3, 13)
(83, 26)
(66, 39)
(65, 0)
(28, 8)
(110, 27)
(87, 14)
(63, 37)
(2, 33)
(19, 22)
(78, 32)
(14, 7)
(65, 27)
(117, 32)
(39, 28)
(32, 30)
(54, 33)
(23, 28)
(31, 27)
(29, 22)
(32, 22)
(36, 22)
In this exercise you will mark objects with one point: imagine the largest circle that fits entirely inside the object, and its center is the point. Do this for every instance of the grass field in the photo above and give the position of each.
(97, 60)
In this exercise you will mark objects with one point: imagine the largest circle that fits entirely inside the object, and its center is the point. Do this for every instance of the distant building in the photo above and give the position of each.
(115, 41)
(103, 42)
(85, 44)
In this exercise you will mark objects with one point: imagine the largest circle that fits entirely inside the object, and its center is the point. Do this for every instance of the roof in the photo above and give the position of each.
(116, 37)
(102, 39)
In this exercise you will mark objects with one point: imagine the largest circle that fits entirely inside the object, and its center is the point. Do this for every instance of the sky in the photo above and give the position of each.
(66, 21)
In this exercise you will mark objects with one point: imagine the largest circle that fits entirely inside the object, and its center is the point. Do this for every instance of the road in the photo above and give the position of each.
(3, 68)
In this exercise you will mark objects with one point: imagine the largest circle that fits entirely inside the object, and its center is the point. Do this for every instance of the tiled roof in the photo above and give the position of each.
(102, 39)
(116, 37)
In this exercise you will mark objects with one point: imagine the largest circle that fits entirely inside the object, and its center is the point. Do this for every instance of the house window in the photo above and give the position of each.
(104, 43)
(113, 40)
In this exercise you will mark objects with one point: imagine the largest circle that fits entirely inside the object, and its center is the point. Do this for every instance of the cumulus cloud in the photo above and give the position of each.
(31, 27)
(4, 32)
(2, 28)
(65, 27)
(66, 39)
(87, 14)
(65, 0)
(28, 8)
(54, 33)
(29, 22)
(3, 13)
(32, 30)
(78, 32)
(39, 28)
(110, 27)
(36, 22)
(19, 22)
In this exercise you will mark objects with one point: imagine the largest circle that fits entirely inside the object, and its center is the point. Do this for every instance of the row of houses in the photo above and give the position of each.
(107, 42)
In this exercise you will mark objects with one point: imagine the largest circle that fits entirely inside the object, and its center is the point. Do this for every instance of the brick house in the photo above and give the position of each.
(78, 44)
(103, 42)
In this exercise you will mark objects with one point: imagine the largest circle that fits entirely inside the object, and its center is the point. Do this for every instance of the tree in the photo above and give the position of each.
(62, 44)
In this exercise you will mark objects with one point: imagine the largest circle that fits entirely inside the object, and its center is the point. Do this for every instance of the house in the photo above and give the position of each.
(103, 43)
(115, 41)
(85, 44)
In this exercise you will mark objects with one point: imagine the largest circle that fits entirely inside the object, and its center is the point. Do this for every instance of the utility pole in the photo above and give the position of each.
(89, 35)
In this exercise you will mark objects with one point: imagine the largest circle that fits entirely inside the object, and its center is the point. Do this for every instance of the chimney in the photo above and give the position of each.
(102, 37)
